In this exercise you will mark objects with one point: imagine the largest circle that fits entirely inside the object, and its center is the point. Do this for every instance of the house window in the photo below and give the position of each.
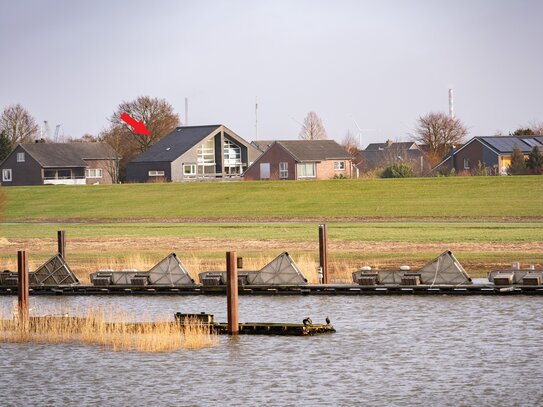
(189, 170)
(466, 163)
(20, 157)
(64, 174)
(306, 170)
(93, 173)
(339, 165)
(156, 173)
(206, 153)
(232, 154)
(6, 175)
(283, 170)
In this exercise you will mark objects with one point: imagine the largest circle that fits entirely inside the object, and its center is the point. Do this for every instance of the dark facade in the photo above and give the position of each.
(301, 160)
(492, 153)
(194, 153)
(58, 164)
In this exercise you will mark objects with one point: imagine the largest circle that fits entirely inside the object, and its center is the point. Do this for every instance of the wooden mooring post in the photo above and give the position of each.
(61, 240)
(22, 286)
(232, 293)
(323, 252)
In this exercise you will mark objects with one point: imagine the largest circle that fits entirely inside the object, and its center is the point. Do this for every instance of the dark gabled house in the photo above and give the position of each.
(301, 159)
(58, 164)
(380, 155)
(192, 153)
(494, 153)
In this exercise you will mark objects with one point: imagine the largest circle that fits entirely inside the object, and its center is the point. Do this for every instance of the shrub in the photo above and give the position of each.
(400, 170)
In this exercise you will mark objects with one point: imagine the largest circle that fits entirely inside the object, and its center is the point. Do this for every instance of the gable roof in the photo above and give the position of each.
(177, 143)
(68, 154)
(315, 150)
(403, 145)
(262, 145)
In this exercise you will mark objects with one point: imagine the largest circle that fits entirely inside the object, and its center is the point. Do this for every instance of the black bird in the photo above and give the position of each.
(327, 321)
(307, 321)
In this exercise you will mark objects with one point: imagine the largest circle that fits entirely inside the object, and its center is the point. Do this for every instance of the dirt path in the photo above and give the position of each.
(211, 244)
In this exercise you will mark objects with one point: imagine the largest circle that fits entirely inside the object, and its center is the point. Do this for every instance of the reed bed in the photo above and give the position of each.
(108, 328)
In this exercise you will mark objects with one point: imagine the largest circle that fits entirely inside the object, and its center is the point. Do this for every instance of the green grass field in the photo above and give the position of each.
(488, 222)
(451, 199)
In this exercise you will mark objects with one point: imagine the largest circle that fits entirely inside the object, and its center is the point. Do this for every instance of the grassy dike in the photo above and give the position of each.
(457, 198)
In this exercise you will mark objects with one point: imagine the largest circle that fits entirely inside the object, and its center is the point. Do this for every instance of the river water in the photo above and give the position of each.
(388, 351)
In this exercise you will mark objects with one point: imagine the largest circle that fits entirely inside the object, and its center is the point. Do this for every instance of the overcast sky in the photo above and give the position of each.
(383, 63)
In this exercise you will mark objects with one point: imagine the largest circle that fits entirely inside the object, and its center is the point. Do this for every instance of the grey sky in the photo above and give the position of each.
(381, 62)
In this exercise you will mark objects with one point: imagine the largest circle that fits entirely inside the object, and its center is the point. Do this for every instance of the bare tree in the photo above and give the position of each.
(438, 133)
(350, 143)
(313, 129)
(18, 125)
(157, 115)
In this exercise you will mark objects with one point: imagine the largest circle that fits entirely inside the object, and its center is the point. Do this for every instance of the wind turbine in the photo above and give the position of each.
(360, 131)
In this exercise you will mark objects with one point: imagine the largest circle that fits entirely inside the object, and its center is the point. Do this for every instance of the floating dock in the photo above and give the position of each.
(443, 275)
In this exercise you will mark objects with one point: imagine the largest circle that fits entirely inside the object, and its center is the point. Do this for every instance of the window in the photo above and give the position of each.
(466, 163)
(232, 154)
(206, 153)
(156, 173)
(20, 157)
(283, 170)
(306, 170)
(6, 175)
(93, 173)
(64, 174)
(339, 165)
(189, 170)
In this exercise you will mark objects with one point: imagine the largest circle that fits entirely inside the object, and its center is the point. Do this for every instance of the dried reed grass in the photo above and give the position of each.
(108, 328)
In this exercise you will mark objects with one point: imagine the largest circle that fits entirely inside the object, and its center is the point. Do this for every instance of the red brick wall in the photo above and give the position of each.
(325, 169)
(104, 165)
(274, 155)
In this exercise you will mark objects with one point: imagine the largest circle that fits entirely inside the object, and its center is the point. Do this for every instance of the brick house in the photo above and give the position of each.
(301, 159)
(492, 152)
(193, 153)
(58, 164)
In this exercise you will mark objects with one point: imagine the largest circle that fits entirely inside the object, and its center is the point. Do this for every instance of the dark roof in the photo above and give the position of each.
(68, 154)
(404, 145)
(177, 143)
(315, 150)
(377, 158)
(506, 144)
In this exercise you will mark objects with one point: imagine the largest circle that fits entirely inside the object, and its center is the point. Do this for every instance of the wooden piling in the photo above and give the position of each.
(323, 252)
(61, 240)
(232, 293)
(22, 286)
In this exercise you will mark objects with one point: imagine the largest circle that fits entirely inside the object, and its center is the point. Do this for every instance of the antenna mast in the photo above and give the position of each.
(186, 111)
(256, 118)
(451, 103)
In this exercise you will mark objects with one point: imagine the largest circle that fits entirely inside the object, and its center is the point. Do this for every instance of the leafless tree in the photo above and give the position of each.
(438, 133)
(19, 126)
(350, 143)
(157, 115)
(313, 129)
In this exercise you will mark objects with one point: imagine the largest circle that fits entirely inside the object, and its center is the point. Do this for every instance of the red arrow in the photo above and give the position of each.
(137, 127)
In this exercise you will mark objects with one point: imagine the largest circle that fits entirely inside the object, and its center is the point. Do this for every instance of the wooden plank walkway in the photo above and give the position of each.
(329, 289)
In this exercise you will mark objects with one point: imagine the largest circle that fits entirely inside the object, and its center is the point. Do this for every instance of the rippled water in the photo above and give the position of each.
(398, 350)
